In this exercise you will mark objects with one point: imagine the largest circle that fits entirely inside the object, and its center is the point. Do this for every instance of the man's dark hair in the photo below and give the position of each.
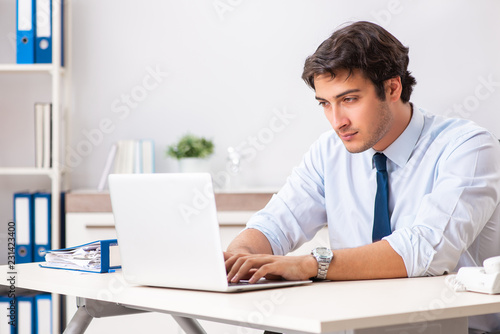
(367, 47)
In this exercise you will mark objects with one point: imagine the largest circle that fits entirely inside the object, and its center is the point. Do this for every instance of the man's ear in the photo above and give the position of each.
(393, 89)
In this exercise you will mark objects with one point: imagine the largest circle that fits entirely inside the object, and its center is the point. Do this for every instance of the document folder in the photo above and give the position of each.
(25, 34)
(23, 218)
(43, 313)
(43, 41)
(99, 257)
(8, 314)
(42, 223)
(26, 315)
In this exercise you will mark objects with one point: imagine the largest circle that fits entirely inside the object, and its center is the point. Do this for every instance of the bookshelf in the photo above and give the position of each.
(60, 97)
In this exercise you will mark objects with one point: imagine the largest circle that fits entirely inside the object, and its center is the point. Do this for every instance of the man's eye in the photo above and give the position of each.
(323, 104)
(350, 99)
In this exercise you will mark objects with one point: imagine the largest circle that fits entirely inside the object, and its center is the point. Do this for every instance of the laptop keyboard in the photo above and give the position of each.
(261, 281)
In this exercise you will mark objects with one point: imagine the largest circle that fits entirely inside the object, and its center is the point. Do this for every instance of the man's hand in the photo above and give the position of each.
(255, 266)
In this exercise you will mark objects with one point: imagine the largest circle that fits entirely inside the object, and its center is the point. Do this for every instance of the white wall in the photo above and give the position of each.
(230, 66)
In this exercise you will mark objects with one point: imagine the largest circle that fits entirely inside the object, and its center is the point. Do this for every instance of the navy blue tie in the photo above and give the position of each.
(381, 220)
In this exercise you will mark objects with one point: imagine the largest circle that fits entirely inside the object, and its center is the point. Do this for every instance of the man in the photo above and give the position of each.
(443, 177)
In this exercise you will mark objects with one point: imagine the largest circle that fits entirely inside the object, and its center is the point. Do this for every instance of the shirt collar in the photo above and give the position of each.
(400, 150)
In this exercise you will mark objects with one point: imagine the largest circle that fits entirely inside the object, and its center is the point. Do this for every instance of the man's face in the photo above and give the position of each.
(354, 110)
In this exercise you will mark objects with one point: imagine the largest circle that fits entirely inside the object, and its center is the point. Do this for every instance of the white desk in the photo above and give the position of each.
(89, 218)
(316, 308)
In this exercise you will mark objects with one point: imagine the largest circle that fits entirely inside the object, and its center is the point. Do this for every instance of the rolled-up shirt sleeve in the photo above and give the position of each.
(464, 196)
(297, 211)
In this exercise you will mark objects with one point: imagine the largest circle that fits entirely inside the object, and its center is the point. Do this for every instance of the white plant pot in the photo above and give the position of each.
(194, 165)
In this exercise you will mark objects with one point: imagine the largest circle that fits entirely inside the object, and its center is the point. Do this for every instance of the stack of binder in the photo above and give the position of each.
(32, 218)
(30, 314)
(34, 31)
(100, 256)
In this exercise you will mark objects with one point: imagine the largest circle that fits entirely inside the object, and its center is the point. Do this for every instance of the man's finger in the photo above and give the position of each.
(227, 255)
(245, 265)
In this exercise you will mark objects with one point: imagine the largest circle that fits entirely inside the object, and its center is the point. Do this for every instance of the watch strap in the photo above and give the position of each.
(322, 268)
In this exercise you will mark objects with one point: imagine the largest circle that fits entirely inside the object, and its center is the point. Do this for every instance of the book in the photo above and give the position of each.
(39, 119)
(43, 135)
(99, 256)
(147, 156)
(107, 167)
(124, 163)
(127, 157)
(47, 135)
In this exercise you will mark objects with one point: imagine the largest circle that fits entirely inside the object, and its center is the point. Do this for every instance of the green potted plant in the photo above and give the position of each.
(192, 152)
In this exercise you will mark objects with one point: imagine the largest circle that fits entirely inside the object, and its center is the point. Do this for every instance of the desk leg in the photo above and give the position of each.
(189, 325)
(79, 323)
(89, 309)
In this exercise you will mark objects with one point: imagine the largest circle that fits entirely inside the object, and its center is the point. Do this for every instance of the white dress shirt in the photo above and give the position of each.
(444, 195)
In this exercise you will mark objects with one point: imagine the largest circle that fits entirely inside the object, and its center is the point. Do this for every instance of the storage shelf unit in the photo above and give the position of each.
(56, 72)
(60, 87)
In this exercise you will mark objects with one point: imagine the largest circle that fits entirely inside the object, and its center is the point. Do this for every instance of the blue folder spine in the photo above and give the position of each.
(26, 314)
(8, 313)
(23, 219)
(42, 224)
(43, 313)
(105, 256)
(25, 32)
(43, 41)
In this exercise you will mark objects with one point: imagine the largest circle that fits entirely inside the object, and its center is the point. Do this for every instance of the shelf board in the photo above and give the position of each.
(26, 67)
(26, 171)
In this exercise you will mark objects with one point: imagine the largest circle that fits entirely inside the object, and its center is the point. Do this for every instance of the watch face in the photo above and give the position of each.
(323, 252)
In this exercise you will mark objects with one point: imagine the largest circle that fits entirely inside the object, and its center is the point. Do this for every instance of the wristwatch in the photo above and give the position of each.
(324, 256)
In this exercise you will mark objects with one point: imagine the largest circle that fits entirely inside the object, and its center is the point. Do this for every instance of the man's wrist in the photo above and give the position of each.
(312, 266)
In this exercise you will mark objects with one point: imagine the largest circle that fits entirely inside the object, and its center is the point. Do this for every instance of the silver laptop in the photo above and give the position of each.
(168, 234)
